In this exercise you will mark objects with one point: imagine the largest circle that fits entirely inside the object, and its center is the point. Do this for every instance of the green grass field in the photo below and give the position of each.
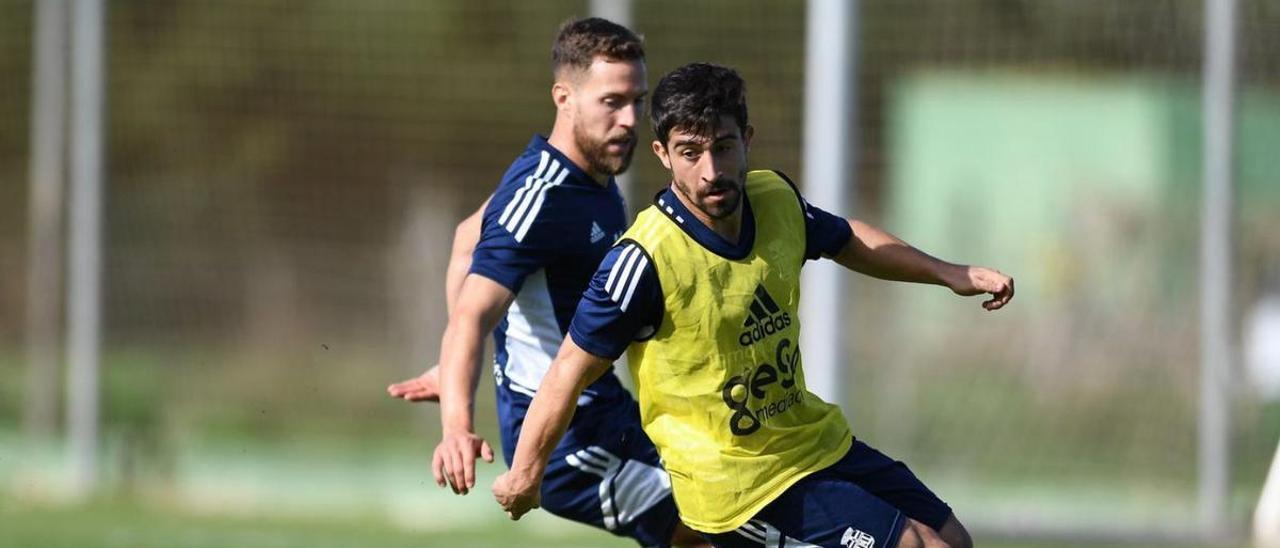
(127, 525)
(224, 458)
(255, 494)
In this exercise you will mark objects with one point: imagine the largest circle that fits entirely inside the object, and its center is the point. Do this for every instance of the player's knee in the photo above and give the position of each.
(918, 535)
(955, 534)
(935, 542)
(961, 540)
(910, 538)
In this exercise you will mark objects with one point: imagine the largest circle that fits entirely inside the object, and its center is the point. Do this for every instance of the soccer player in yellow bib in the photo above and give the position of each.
(703, 292)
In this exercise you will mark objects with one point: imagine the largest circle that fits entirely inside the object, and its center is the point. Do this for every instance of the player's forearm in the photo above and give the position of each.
(460, 357)
(877, 253)
(481, 304)
(459, 375)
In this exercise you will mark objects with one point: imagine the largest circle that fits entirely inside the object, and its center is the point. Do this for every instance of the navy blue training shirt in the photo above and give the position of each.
(545, 230)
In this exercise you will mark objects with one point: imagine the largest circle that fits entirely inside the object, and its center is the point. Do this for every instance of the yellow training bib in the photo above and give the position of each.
(720, 384)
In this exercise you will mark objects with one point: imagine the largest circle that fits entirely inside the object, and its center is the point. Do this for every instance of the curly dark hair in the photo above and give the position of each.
(695, 97)
(581, 40)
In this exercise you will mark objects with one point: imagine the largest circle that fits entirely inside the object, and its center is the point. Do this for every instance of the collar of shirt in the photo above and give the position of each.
(667, 202)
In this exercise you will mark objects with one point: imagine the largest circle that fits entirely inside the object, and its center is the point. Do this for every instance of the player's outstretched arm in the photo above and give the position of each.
(481, 304)
(517, 491)
(465, 238)
(877, 253)
(426, 387)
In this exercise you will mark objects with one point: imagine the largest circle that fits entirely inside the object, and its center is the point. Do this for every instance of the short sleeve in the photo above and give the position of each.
(515, 241)
(622, 304)
(825, 234)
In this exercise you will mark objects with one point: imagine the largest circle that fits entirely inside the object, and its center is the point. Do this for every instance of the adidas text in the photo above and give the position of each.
(764, 328)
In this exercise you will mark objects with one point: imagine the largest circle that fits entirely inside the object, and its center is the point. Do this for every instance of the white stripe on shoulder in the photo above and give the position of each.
(613, 272)
(537, 204)
(635, 280)
(522, 209)
(528, 182)
(624, 279)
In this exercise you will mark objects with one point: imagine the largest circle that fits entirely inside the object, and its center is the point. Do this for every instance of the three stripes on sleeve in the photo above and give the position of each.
(524, 206)
(625, 275)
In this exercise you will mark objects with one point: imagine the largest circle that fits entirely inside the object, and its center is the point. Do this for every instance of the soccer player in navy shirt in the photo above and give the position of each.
(552, 219)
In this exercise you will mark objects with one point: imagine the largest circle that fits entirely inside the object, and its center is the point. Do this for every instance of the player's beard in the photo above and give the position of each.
(729, 205)
(596, 151)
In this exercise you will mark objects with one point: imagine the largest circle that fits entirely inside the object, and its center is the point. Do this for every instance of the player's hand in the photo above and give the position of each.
(516, 494)
(425, 387)
(976, 280)
(454, 461)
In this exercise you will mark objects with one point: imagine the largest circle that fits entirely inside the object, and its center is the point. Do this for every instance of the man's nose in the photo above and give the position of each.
(628, 115)
(710, 168)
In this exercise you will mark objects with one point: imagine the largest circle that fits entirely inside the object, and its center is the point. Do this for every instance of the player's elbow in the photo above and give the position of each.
(469, 316)
(464, 239)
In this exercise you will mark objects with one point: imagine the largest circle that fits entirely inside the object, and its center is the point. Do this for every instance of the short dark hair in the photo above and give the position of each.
(695, 97)
(581, 40)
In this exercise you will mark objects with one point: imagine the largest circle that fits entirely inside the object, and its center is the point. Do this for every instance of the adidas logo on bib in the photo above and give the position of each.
(764, 318)
(597, 233)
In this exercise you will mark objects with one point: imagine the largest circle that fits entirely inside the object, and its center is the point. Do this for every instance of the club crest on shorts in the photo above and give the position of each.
(855, 538)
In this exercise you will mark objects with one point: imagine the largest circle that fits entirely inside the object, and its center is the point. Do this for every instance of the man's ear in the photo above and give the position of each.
(562, 95)
(747, 134)
(661, 152)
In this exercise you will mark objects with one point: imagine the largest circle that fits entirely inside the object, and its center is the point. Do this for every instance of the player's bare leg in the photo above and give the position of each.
(919, 535)
(954, 534)
(424, 387)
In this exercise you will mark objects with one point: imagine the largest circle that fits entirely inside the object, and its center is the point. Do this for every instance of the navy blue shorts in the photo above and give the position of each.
(605, 473)
(861, 501)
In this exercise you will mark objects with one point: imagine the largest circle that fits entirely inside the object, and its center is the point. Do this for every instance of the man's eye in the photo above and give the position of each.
(690, 154)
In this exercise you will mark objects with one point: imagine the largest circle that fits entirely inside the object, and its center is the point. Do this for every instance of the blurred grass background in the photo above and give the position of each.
(131, 527)
(283, 179)
(322, 457)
